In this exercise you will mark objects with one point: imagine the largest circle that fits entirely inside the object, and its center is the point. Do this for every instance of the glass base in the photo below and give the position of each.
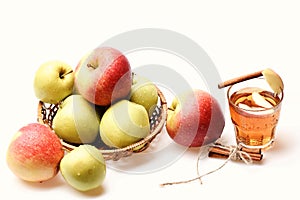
(262, 147)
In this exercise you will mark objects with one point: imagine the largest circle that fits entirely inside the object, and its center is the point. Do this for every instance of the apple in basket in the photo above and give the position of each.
(103, 76)
(124, 123)
(76, 120)
(144, 92)
(53, 81)
(34, 153)
(195, 119)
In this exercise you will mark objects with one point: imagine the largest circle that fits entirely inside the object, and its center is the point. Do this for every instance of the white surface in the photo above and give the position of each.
(239, 37)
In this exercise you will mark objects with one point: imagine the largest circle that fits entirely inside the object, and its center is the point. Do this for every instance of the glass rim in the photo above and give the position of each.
(254, 111)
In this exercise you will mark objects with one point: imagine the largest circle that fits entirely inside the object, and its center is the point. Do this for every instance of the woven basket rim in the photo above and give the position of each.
(117, 153)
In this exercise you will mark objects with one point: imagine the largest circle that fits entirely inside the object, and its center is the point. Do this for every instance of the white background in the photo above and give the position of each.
(239, 36)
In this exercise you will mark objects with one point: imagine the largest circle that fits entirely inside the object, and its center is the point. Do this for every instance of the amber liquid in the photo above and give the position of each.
(254, 124)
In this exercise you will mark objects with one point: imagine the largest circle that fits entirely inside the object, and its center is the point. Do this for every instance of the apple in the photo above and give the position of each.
(104, 76)
(144, 92)
(53, 81)
(34, 153)
(83, 168)
(124, 123)
(195, 119)
(76, 120)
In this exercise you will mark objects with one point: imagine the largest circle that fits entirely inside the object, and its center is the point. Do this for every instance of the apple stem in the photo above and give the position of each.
(91, 66)
(63, 75)
(171, 109)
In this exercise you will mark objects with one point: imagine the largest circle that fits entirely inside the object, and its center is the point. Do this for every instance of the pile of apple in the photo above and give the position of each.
(100, 96)
(102, 100)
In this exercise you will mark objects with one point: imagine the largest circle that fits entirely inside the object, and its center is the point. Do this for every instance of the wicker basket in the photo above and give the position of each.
(46, 113)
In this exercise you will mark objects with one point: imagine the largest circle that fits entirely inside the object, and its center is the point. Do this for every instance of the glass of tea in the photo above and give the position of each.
(254, 110)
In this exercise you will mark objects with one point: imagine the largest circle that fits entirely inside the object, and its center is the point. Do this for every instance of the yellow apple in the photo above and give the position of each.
(53, 81)
(144, 92)
(123, 124)
(83, 168)
(76, 120)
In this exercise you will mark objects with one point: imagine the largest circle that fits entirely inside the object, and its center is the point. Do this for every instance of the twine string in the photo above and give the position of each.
(235, 154)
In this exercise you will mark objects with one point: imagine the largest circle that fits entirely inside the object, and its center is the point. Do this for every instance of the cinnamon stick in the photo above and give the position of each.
(254, 150)
(240, 79)
(217, 152)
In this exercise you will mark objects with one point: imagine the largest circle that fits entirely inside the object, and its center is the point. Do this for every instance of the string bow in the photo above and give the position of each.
(235, 154)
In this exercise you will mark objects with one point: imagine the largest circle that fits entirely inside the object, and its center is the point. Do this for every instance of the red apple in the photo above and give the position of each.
(195, 119)
(103, 76)
(34, 153)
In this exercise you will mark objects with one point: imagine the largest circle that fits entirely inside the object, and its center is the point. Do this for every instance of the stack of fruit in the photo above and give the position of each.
(101, 100)
(104, 88)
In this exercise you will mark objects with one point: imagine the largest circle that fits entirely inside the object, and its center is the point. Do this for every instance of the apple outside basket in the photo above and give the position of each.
(46, 114)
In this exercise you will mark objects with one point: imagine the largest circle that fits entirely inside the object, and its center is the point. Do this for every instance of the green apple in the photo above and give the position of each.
(123, 124)
(53, 81)
(144, 92)
(83, 168)
(76, 120)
